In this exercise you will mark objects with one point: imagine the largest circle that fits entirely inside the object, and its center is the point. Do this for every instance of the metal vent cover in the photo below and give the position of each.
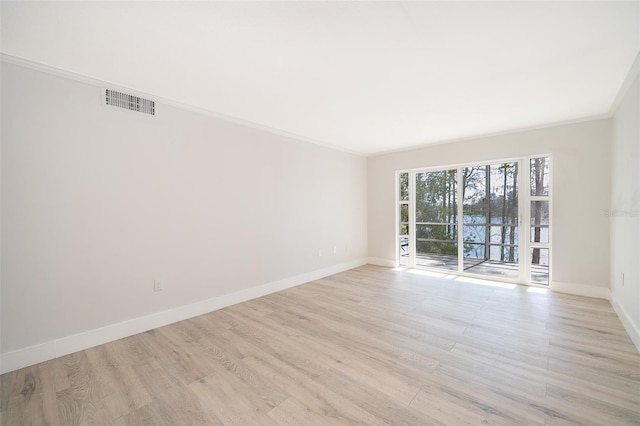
(130, 102)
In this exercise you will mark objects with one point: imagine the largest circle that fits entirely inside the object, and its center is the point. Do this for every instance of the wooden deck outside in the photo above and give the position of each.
(490, 268)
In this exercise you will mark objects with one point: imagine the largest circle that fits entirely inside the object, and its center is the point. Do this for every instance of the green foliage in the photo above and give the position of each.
(437, 248)
(435, 196)
(436, 205)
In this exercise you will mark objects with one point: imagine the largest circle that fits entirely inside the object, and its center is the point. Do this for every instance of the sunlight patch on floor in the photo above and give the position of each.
(486, 282)
(469, 280)
(537, 290)
(431, 274)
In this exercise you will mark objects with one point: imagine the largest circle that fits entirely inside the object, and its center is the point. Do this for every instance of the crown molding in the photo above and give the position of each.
(631, 75)
(426, 145)
(59, 72)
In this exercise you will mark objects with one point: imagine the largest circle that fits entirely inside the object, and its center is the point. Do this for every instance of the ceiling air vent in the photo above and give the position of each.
(130, 102)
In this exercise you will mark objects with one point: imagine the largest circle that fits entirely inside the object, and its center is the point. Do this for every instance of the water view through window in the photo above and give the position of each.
(468, 219)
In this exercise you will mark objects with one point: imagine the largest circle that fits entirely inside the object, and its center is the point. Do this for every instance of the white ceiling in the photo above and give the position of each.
(367, 77)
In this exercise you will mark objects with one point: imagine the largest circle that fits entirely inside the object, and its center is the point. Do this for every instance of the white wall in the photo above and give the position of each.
(97, 202)
(581, 182)
(625, 207)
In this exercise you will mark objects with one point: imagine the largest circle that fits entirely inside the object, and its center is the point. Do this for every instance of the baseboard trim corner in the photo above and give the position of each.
(25, 357)
(581, 290)
(378, 261)
(631, 328)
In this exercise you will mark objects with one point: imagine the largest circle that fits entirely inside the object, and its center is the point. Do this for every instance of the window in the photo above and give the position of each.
(478, 219)
(539, 230)
(403, 215)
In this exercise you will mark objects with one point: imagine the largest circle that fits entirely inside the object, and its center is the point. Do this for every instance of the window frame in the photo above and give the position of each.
(524, 218)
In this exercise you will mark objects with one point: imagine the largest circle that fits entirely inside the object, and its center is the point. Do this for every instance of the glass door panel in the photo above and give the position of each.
(436, 219)
(474, 222)
(490, 221)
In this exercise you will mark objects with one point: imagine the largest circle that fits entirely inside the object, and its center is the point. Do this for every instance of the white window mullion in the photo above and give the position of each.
(412, 219)
(459, 191)
(524, 204)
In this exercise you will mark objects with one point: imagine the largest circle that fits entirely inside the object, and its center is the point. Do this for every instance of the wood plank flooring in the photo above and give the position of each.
(367, 346)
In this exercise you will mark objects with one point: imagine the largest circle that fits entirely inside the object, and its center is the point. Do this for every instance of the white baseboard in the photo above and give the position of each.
(25, 357)
(581, 290)
(633, 329)
(378, 261)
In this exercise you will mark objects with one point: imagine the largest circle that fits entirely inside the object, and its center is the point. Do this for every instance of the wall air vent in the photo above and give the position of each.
(130, 102)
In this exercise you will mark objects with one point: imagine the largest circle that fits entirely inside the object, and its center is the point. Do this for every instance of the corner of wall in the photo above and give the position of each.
(633, 73)
(381, 262)
(581, 290)
(623, 211)
(632, 329)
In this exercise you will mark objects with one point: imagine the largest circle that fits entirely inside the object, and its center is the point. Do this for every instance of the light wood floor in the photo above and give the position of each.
(367, 346)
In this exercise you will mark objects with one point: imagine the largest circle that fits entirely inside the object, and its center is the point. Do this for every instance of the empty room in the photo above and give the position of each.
(314, 213)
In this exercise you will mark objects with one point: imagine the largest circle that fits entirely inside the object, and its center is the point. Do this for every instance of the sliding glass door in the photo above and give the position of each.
(490, 220)
(468, 219)
(436, 219)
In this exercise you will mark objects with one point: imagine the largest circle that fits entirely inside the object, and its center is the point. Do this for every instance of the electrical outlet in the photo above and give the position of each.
(157, 285)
